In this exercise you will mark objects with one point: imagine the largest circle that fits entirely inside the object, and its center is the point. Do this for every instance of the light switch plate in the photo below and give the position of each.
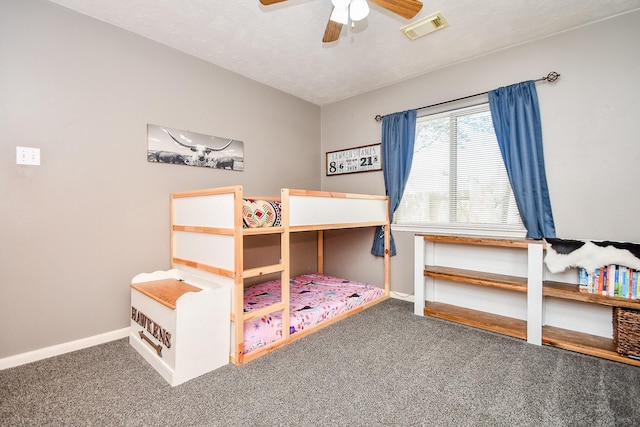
(28, 156)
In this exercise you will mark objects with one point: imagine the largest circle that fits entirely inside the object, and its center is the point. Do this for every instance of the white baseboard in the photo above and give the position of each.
(403, 297)
(56, 350)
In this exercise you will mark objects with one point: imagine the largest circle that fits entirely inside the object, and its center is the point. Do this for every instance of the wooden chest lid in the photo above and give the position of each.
(165, 291)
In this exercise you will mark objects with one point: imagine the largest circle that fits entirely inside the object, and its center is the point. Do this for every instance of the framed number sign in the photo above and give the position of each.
(359, 159)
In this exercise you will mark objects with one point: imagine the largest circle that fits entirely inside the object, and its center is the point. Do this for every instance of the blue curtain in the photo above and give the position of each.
(398, 137)
(516, 119)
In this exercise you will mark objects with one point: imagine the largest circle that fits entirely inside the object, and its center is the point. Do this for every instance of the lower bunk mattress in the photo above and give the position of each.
(314, 298)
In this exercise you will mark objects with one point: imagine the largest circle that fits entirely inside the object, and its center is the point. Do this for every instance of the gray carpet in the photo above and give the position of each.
(381, 367)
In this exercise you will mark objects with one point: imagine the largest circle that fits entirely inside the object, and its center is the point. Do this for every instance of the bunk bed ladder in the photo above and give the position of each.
(238, 356)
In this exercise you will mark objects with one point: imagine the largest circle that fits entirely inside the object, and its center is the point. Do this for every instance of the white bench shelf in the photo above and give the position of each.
(499, 285)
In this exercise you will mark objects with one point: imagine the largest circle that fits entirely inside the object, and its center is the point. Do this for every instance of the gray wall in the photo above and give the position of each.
(589, 121)
(75, 230)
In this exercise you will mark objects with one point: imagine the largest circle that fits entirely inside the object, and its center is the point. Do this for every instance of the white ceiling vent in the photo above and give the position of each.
(425, 26)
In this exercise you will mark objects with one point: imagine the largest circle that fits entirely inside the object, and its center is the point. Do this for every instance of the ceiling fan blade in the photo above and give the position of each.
(268, 2)
(405, 8)
(332, 32)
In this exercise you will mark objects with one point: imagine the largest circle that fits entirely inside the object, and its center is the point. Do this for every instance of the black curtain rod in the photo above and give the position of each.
(551, 77)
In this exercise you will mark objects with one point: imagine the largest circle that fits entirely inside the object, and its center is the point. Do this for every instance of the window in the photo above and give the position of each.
(458, 182)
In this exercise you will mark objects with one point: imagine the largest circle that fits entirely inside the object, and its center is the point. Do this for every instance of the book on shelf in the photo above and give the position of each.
(613, 276)
(610, 280)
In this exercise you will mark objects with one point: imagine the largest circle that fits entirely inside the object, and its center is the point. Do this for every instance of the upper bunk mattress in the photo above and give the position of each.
(314, 298)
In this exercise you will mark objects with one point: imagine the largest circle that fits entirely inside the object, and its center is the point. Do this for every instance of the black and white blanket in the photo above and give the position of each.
(562, 254)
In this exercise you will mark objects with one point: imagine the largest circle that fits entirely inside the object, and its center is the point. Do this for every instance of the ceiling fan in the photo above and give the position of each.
(343, 10)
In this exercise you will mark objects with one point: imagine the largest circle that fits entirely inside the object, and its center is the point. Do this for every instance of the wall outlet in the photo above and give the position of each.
(27, 156)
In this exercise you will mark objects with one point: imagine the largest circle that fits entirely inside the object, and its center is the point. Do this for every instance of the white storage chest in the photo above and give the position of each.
(180, 323)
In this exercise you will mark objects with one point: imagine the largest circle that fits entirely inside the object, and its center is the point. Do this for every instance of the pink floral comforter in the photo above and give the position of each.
(314, 298)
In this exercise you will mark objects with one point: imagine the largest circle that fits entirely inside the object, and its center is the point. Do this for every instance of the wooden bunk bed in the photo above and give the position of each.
(208, 238)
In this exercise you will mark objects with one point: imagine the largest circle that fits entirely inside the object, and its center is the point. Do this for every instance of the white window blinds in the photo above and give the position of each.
(457, 177)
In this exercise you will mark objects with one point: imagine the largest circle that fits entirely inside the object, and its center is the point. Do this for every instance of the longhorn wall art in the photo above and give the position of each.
(167, 145)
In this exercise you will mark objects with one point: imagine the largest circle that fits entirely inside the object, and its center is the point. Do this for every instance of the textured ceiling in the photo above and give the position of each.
(281, 45)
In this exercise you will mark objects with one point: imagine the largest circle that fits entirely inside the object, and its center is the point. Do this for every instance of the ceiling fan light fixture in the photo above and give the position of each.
(358, 9)
(340, 15)
(355, 10)
(341, 4)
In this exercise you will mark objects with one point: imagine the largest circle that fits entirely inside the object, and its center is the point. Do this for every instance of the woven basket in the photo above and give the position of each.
(626, 331)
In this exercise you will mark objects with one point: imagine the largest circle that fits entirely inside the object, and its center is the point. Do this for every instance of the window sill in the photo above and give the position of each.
(452, 230)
